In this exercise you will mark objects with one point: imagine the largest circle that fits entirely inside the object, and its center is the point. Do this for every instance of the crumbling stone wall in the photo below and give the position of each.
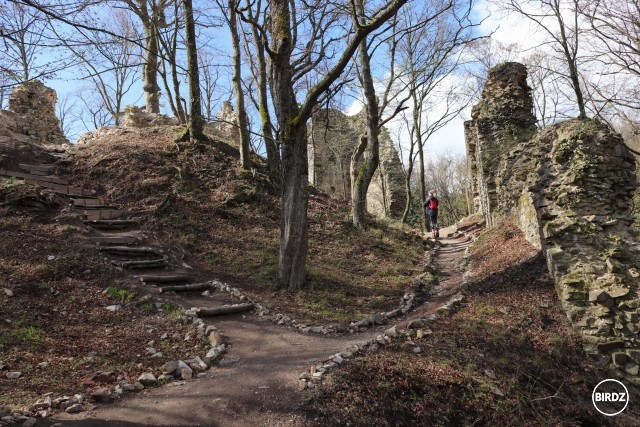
(136, 117)
(570, 189)
(332, 139)
(503, 119)
(32, 115)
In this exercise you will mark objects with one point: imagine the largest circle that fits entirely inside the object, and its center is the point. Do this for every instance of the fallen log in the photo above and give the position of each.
(227, 309)
(164, 279)
(113, 223)
(132, 251)
(114, 240)
(153, 263)
(186, 288)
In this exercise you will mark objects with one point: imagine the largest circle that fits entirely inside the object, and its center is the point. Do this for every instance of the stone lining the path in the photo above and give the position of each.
(169, 371)
(421, 283)
(419, 328)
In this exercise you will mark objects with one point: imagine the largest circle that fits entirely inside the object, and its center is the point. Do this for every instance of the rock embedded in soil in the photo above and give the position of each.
(12, 375)
(8, 292)
(391, 332)
(147, 379)
(74, 409)
(169, 368)
(101, 395)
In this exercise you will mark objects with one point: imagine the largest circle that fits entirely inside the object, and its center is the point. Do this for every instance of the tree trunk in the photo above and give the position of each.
(195, 108)
(150, 68)
(418, 129)
(295, 175)
(273, 154)
(362, 174)
(227, 309)
(241, 113)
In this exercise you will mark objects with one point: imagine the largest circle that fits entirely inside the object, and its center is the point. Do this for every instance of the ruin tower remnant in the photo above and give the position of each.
(570, 190)
(333, 137)
(501, 120)
(35, 107)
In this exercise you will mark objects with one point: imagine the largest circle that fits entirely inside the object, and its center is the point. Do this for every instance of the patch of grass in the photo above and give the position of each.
(22, 335)
(148, 307)
(121, 294)
(172, 310)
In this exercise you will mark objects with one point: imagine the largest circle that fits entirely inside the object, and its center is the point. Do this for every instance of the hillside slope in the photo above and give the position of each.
(221, 223)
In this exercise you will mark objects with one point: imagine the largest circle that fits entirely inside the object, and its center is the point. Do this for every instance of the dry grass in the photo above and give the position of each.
(512, 336)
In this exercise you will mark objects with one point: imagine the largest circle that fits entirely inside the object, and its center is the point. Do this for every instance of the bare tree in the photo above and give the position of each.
(195, 102)
(152, 15)
(447, 175)
(483, 54)
(258, 61)
(241, 111)
(559, 19)
(24, 33)
(615, 50)
(544, 84)
(109, 63)
(209, 81)
(66, 111)
(286, 68)
(431, 54)
(169, 39)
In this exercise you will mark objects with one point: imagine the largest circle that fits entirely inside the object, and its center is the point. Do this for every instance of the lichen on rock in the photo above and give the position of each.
(570, 188)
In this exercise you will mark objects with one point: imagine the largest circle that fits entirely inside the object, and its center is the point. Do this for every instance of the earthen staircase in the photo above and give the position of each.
(110, 230)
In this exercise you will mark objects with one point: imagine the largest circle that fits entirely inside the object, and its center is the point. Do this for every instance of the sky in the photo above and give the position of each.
(450, 139)
(506, 29)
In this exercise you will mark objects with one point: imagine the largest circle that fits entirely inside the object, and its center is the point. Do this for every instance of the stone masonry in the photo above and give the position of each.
(503, 119)
(332, 139)
(570, 189)
(32, 113)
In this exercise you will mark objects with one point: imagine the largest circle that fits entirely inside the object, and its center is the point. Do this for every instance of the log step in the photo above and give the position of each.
(37, 169)
(85, 203)
(114, 240)
(227, 309)
(110, 223)
(152, 263)
(97, 214)
(126, 250)
(164, 279)
(59, 188)
(51, 179)
(186, 288)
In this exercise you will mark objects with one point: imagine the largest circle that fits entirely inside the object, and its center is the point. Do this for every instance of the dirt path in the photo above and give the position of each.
(259, 386)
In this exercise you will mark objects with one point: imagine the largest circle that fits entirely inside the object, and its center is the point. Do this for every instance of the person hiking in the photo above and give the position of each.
(431, 209)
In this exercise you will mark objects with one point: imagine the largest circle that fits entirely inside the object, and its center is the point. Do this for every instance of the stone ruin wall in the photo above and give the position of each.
(332, 140)
(31, 117)
(570, 189)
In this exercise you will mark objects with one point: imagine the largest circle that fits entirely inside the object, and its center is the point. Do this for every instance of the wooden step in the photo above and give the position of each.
(151, 263)
(88, 202)
(137, 251)
(51, 179)
(43, 168)
(186, 288)
(226, 309)
(114, 240)
(177, 278)
(97, 214)
(110, 223)
(79, 191)
(59, 188)
(103, 207)
(37, 169)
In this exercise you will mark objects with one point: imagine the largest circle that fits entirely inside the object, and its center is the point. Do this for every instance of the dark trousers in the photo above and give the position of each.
(433, 219)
